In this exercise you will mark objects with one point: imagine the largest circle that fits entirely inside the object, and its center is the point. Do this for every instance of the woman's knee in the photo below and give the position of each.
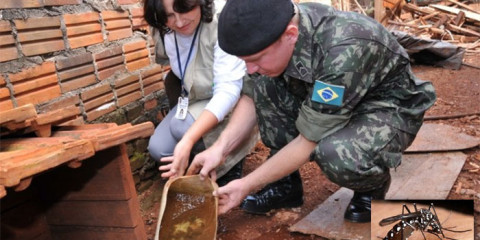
(154, 148)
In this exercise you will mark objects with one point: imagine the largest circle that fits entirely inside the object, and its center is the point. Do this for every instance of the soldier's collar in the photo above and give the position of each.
(300, 65)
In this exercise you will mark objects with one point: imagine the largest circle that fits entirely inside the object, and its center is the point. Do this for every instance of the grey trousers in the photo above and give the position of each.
(167, 134)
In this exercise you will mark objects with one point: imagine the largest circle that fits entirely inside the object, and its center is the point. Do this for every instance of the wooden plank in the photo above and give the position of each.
(20, 164)
(440, 137)
(93, 218)
(425, 176)
(468, 14)
(25, 221)
(451, 213)
(464, 6)
(103, 213)
(102, 177)
(379, 10)
(111, 136)
(56, 116)
(327, 220)
(12, 146)
(461, 30)
(122, 135)
(82, 233)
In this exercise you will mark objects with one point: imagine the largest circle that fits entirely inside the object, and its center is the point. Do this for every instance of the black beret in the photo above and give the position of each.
(246, 27)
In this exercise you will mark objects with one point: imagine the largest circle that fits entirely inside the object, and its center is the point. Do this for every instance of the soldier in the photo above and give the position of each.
(327, 86)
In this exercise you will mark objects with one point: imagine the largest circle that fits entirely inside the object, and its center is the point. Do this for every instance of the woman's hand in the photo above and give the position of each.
(206, 162)
(179, 161)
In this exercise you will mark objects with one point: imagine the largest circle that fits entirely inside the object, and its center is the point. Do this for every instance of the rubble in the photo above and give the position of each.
(449, 20)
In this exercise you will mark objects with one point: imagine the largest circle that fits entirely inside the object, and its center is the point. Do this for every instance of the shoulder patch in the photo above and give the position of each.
(328, 93)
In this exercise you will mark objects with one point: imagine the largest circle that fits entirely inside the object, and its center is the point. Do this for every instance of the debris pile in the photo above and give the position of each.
(448, 20)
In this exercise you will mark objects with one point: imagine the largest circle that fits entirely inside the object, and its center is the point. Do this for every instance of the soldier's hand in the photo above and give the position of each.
(231, 195)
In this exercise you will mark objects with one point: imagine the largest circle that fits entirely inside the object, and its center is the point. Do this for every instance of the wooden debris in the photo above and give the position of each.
(25, 119)
(463, 5)
(468, 14)
(449, 20)
(23, 158)
(17, 115)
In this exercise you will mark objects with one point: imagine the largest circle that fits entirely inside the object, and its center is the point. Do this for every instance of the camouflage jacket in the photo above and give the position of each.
(346, 64)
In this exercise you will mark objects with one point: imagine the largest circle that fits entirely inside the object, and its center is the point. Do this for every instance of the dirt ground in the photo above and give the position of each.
(458, 93)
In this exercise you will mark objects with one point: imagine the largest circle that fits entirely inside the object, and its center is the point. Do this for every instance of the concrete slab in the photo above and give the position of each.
(327, 220)
(425, 176)
(441, 137)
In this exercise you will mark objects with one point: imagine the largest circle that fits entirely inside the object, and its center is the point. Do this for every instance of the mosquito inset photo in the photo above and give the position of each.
(422, 220)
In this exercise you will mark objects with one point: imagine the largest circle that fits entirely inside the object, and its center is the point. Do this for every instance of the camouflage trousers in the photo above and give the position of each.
(357, 157)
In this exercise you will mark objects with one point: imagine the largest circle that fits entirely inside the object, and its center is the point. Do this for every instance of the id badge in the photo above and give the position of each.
(182, 108)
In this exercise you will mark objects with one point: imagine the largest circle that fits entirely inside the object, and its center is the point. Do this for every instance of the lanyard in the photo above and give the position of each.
(182, 72)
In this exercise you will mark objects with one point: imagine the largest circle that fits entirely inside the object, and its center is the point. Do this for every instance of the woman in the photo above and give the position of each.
(205, 80)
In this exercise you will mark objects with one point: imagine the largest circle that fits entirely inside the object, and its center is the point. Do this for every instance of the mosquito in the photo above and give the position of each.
(424, 220)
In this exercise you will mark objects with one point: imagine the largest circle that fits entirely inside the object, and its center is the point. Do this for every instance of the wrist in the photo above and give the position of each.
(186, 143)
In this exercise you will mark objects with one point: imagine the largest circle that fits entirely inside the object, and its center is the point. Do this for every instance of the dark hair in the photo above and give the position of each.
(154, 11)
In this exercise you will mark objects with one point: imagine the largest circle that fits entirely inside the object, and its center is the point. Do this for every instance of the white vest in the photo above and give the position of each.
(198, 82)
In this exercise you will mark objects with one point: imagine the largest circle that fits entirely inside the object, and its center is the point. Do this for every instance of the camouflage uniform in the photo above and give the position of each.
(349, 87)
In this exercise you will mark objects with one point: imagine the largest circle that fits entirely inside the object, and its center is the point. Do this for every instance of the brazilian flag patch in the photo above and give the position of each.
(328, 93)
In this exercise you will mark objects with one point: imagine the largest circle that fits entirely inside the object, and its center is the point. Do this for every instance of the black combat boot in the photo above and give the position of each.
(359, 209)
(234, 173)
(284, 193)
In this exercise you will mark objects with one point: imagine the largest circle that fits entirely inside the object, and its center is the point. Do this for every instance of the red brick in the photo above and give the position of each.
(76, 72)
(136, 55)
(5, 101)
(138, 21)
(74, 122)
(132, 97)
(114, 51)
(152, 80)
(78, 82)
(96, 91)
(137, 64)
(35, 23)
(39, 96)
(83, 29)
(40, 35)
(71, 62)
(150, 104)
(124, 2)
(21, 4)
(35, 85)
(108, 15)
(128, 90)
(8, 50)
(127, 81)
(117, 24)
(61, 2)
(100, 111)
(60, 103)
(98, 101)
(109, 62)
(5, 26)
(134, 46)
(151, 48)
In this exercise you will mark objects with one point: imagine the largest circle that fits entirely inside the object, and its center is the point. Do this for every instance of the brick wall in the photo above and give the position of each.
(96, 56)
